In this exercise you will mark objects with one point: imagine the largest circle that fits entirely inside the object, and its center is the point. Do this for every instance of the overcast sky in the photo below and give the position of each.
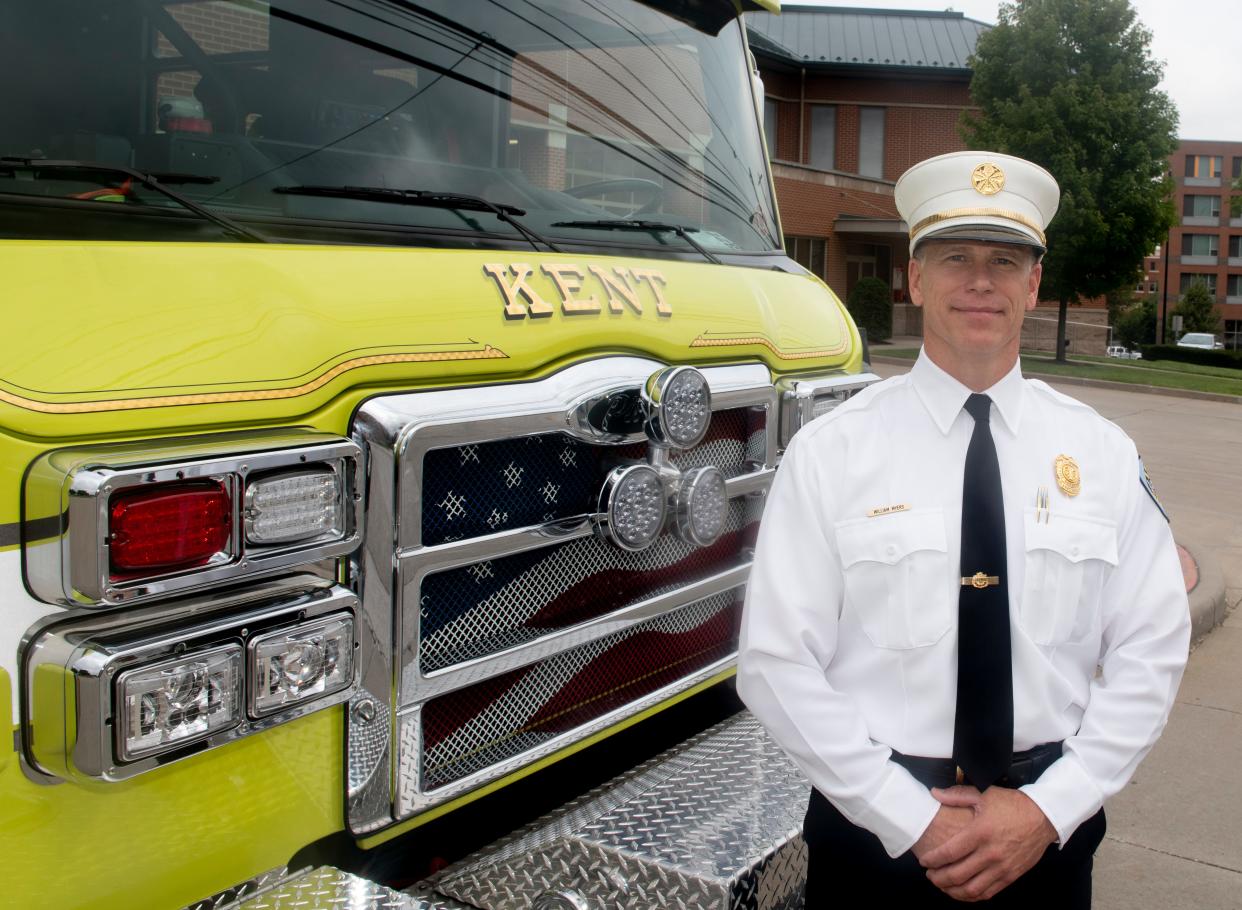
(1198, 43)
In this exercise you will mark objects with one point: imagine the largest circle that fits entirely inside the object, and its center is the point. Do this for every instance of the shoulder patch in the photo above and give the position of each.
(1146, 482)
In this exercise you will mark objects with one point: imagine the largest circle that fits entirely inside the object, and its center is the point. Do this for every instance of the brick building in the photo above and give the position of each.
(1206, 242)
(853, 97)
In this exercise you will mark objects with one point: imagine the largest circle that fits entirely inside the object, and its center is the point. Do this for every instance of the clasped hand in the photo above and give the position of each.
(978, 843)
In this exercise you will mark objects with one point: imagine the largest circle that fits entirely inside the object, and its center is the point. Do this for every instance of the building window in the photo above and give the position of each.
(1189, 278)
(1237, 167)
(769, 125)
(871, 141)
(1200, 206)
(1233, 287)
(1152, 287)
(823, 136)
(1200, 245)
(1233, 334)
(1235, 246)
(1203, 165)
(808, 252)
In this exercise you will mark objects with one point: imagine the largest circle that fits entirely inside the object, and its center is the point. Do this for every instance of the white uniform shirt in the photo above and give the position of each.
(849, 636)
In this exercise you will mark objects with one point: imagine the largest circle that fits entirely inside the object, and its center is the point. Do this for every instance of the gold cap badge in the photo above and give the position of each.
(987, 179)
(1069, 478)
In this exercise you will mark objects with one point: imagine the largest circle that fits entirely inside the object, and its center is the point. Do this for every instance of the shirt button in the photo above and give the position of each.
(891, 549)
(1073, 551)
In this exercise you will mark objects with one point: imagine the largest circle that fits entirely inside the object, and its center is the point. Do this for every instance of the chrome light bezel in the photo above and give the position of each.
(660, 427)
(66, 503)
(607, 524)
(692, 482)
(799, 395)
(74, 665)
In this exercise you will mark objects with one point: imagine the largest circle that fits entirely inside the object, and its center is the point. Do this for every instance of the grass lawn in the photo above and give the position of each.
(1168, 374)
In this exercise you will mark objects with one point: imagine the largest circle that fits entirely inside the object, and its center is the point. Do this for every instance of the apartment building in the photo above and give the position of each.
(1206, 243)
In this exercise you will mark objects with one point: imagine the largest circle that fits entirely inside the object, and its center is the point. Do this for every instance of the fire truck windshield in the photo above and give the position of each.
(577, 112)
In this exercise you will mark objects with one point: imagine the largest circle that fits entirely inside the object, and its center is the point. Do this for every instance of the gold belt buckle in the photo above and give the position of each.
(960, 775)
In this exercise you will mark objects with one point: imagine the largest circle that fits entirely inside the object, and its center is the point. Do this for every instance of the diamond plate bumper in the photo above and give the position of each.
(714, 824)
(327, 888)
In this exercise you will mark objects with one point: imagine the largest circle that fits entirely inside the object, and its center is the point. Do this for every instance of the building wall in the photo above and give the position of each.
(1223, 227)
(921, 113)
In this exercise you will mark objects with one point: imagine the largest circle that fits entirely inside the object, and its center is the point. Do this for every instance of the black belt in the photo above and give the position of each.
(1025, 767)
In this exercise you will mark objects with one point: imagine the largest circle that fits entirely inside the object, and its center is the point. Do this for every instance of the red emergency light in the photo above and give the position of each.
(168, 527)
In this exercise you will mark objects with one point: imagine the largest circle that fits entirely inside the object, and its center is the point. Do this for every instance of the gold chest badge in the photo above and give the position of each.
(987, 179)
(1069, 478)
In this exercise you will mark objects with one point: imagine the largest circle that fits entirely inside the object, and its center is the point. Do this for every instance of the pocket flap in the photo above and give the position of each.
(1074, 537)
(890, 538)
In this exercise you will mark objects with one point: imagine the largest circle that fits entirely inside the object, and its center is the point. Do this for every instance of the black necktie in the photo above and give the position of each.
(983, 725)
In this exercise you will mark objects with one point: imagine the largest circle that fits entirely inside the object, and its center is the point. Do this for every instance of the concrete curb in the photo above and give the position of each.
(1098, 383)
(1207, 598)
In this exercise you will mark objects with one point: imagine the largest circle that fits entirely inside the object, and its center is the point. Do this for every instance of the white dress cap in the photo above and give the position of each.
(977, 196)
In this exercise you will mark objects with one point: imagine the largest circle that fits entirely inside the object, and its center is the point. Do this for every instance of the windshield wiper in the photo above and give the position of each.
(625, 224)
(427, 199)
(151, 181)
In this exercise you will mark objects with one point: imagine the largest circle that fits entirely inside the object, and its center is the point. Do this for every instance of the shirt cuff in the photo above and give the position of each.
(1067, 795)
(900, 812)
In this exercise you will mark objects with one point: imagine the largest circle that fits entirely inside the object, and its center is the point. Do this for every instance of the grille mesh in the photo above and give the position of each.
(491, 722)
(486, 607)
(485, 487)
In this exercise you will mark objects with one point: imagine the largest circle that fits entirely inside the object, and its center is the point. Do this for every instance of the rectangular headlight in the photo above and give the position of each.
(302, 663)
(176, 701)
(802, 400)
(294, 505)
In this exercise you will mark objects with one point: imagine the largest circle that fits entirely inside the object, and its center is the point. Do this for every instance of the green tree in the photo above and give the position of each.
(1136, 325)
(1120, 298)
(1198, 309)
(1071, 85)
(871, 304)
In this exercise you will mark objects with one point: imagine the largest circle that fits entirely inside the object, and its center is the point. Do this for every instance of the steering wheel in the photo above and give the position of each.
(654, 191)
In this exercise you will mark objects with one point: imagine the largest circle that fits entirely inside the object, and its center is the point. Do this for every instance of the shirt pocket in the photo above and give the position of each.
(896, 570)
(1068, 558)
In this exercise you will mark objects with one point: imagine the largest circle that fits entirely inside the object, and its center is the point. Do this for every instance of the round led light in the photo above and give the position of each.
(702, 506)
(633, 507)
(678, 403)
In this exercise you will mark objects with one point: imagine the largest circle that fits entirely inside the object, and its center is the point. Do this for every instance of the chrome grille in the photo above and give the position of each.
(488, 723)
(503, 627)
(484, 487)
(486, 607)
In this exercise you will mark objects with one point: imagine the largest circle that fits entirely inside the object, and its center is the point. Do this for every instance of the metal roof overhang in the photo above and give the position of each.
(870, 226)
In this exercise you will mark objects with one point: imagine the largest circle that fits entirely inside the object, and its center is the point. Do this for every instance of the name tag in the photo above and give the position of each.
(888, 510)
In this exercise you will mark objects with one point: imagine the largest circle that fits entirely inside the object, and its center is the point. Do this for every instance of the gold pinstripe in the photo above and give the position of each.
(487, 352)
(705, 342)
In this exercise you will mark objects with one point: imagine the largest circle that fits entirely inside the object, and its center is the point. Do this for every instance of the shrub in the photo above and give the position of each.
(1193, 355)
(871, 305)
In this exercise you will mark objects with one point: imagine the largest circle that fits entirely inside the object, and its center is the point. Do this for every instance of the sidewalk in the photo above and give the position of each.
(1175, 833)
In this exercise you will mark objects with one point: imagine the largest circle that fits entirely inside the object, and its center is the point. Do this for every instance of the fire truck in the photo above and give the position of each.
(390, 392)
